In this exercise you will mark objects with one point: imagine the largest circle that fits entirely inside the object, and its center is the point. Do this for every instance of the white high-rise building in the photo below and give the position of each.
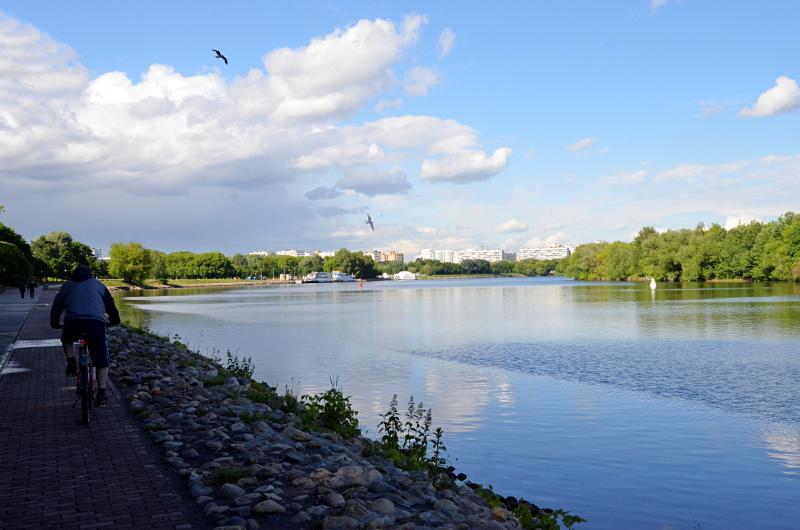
(487, 254)
(552, 252)
(443, 255)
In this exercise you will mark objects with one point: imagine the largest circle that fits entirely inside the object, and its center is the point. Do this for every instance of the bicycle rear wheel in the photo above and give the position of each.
(85, 394)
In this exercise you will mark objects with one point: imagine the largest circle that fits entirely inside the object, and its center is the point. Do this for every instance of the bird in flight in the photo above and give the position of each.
(220, 56)
(369, 222)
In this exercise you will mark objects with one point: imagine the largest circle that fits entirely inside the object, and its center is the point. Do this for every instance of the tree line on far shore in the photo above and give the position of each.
(754, 251)
(134, 263)
(528, 267)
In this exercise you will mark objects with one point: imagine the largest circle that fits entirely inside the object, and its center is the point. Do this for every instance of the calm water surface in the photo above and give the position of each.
(667, 410)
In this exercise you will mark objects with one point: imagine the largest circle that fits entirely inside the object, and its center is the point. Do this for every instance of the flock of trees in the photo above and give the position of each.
(528, 267)
(133, 262)
(53, 255)
(755, 251)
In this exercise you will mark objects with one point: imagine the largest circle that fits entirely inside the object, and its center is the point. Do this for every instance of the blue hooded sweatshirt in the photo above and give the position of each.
(83, 297)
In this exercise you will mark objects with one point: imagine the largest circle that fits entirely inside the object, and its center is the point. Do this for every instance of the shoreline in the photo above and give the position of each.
(249, 455)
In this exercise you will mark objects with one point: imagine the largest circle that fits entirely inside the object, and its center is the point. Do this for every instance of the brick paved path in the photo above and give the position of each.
(57, 473)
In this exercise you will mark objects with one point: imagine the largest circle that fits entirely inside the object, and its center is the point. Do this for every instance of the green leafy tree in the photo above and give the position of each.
(15, 269)
(129, 261)
(239, 264)
(355, 263)
(310, 264)
(61, 253)
(476, 266)
(618, 261)
(99, 268)
(213, 265)
(158, 266)
(9, 235)
(502, 267)
(181, 265)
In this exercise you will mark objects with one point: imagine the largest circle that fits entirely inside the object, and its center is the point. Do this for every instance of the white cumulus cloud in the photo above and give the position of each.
(419, 80)
(371, 183)
(166, 130)
(466, 167)
(447, 39)
(732, 221)
(783, 97)
(511, 226)
(582, 144)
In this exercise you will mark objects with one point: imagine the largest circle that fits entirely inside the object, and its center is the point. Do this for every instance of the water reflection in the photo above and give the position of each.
(632, 408)
(784, 446)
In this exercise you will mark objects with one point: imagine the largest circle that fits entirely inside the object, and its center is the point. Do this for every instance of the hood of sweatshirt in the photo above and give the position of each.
(81, 273)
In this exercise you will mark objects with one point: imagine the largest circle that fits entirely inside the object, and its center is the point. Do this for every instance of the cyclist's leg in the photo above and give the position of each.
(69, 335)
(98, 348)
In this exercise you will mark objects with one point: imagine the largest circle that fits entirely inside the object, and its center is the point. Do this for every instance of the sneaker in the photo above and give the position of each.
(72, 367)
(101, 398)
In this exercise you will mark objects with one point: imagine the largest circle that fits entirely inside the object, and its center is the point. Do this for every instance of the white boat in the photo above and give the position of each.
(317, 277)
(405, 275)
(338, 276)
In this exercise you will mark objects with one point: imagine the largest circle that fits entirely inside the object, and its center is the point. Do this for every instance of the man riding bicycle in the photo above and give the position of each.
(86, 302)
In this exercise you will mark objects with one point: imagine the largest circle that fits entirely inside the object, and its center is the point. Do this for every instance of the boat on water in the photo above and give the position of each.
(338, 276)
(317, 277)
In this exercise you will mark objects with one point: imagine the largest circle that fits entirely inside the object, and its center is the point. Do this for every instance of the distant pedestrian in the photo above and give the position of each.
(22, 291)
(32, 287)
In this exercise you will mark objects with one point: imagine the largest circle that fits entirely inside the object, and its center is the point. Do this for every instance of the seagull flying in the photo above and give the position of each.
(369, 222)
(220, 56)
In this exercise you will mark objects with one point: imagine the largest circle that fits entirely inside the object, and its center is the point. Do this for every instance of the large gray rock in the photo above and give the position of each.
(353, 475)
(269, 506)
(296, 434)
(229, 491)
(383, 506)
(334, 500)
(339, 523)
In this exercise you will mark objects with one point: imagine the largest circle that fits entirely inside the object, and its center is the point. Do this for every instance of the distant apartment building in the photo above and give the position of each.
(551, 252)
(443, 255)
(383, 257)
(487, 254)
(392, 255)
(294, 253)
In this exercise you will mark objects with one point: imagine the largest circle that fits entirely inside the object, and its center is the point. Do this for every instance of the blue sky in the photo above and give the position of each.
(453, 124)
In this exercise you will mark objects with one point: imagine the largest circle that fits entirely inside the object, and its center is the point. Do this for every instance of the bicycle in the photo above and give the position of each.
(86, 382)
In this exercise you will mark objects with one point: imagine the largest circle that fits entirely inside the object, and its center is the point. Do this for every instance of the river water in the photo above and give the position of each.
(672, 409)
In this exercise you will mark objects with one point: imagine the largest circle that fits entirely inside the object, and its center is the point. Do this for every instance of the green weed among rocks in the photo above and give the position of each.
(229, 474)
(406, 441)
(235, 367)
(239, 368)
(530, 516)
(291, 403)
(252, 417)
(330, 410)
(261, 392)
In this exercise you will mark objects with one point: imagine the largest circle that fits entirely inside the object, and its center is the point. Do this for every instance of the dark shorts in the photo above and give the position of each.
(95, 331)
